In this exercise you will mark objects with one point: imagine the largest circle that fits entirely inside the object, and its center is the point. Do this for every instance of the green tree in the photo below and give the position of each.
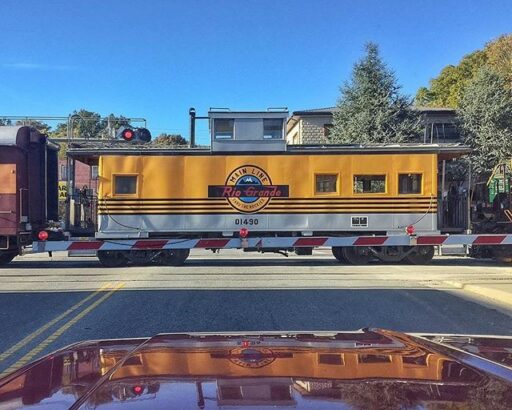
(60, 131)
(499, 55)
(170, 140)
(87, 124)
(371, 108)
(42, 127)
(485, 116)
(447, 88)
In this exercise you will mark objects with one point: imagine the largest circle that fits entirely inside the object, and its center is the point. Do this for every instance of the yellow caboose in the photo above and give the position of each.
(310, 192)
(249, 178)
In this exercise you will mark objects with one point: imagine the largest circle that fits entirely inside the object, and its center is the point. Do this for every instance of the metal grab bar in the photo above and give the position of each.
(6, 212)
(21, 206)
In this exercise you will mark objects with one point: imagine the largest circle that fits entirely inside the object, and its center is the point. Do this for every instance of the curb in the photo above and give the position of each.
(502, 296)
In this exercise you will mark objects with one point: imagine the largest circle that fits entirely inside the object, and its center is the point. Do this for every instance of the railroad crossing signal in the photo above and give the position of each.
(130, 134)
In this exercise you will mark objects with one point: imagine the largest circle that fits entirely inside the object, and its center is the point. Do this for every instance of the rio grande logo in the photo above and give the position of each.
(248, 189)
(252, 358)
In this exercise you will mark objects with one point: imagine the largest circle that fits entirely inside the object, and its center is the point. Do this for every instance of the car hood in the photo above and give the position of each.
(369, 368)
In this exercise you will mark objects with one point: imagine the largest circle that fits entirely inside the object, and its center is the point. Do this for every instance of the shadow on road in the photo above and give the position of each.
(21, 263)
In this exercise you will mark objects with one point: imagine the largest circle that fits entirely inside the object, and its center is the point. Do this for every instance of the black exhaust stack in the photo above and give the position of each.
(192, 113)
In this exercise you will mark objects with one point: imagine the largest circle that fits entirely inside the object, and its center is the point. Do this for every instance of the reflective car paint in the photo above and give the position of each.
(362, 369)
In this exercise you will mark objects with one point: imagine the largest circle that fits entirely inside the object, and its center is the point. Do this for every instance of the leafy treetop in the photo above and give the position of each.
(170, 140)
(447, 88)
(371, 108)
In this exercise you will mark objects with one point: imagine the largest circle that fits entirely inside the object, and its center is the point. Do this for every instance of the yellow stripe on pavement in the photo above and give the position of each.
(33, 335)
(55, 335)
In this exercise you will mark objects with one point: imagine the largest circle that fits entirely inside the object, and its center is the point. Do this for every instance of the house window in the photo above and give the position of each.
(409, 183)
(369, 184)
(223, 128)
(451, 132)
(94, 172)
(327, 130)
(326, 183)
(441, 131)
(63, 172)
(273, 128)
(125, 184)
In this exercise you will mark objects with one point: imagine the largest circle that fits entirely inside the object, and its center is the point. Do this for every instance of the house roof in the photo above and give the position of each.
(330, 110)
(316, 111)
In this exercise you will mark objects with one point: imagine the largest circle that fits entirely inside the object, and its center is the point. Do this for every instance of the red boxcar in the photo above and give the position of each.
(28, 187)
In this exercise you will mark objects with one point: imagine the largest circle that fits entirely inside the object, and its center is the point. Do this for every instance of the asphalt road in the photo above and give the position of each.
(45, 304)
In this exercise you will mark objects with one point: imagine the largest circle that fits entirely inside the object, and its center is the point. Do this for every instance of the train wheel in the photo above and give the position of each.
(112, 259)
(356, 255)
(338, 254)
(421, 255)
(175, 257)
(6, 257)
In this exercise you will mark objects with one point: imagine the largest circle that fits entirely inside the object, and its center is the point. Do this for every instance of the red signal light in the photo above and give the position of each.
(138, 390)
(43, 235)
(244, 232)
(128, 134)
(410, 230)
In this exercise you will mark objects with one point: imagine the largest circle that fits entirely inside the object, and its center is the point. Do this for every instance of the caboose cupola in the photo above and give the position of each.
(246, 131)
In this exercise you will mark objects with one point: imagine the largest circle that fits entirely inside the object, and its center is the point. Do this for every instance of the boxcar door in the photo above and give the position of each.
(8, 214)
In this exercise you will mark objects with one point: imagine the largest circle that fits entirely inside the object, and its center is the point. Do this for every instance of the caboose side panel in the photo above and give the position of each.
(160, 194)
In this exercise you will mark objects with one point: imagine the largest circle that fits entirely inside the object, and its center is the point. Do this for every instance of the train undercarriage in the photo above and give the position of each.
(166, 257)
(415, 255)
(362, 255)
(353, 250)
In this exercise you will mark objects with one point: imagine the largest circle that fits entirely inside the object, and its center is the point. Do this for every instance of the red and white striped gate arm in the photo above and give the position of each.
(269, 242)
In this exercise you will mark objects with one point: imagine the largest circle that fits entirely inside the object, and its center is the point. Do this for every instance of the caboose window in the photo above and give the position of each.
(223, 129)
(273, 128)
(125, 184)
(326, 183)
(369, 184)
(409, 183)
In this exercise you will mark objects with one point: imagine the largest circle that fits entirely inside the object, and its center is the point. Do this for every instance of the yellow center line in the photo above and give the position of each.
(55, 335)
(33, 335)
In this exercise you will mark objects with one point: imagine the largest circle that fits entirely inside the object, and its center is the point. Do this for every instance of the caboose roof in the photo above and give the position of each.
(89, 153)
(22, 135)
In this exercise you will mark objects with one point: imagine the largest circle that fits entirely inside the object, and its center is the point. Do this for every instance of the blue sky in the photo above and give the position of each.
(157, 58)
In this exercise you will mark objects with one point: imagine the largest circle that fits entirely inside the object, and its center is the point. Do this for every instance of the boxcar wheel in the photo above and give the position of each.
(356, 255)
(421, 255)
(6, 257)
(175, 257)
(112, 259)
(338, 254)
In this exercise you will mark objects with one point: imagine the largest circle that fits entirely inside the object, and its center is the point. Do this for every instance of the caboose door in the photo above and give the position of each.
(8, 214)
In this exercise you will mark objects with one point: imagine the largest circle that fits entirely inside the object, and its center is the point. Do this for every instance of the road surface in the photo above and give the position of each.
(46, 304)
